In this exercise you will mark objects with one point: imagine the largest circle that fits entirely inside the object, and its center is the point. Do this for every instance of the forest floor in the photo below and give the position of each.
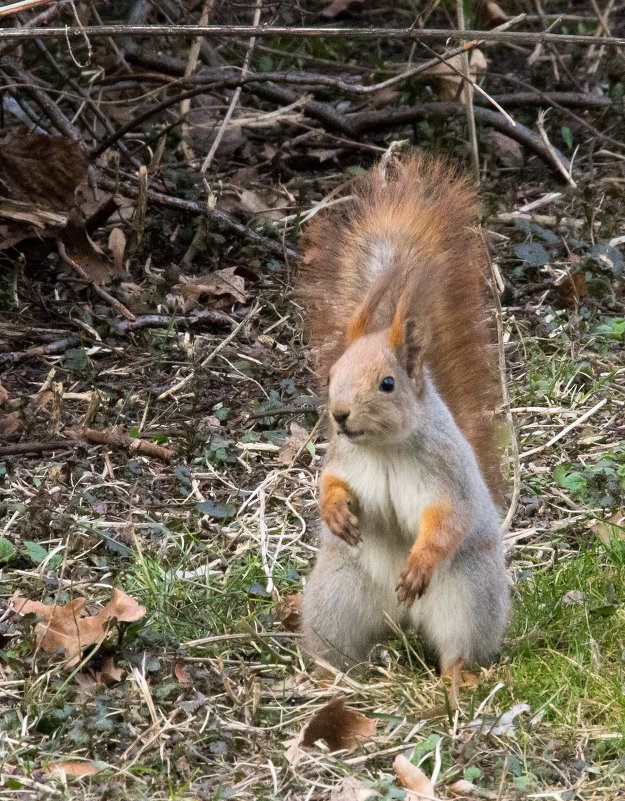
(203, 693)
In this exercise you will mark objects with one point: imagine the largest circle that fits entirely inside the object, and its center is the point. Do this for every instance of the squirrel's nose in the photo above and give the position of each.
(340, 417)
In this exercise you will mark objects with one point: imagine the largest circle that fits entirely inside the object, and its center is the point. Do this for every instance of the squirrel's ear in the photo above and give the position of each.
(408, 343)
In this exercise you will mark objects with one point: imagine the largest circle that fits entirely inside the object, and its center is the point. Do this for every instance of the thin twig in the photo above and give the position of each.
(519, 37)
(276, 248)
(566, 430)
(181, 384)
(235, 97)
(23, 5)
(468, 97)
(564, 169)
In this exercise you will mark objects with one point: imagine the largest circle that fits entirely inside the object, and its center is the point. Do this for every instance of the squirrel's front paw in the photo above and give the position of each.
(342, 522)
(413, 582)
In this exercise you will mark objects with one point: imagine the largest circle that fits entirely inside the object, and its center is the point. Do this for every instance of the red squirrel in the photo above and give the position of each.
(392, 290)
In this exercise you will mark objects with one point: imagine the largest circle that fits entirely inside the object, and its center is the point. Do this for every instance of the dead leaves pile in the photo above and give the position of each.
(68, 627)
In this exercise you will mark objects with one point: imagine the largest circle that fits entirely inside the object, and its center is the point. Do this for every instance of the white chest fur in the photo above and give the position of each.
(392, 494)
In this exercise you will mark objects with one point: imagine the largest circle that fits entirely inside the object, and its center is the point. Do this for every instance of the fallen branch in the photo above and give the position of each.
(165, 320)
(117, 439)
(391, 118)
(36, 447)
(260, 31)
(211, 214)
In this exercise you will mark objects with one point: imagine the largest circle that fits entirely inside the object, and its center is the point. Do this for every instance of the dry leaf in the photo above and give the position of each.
(413, 779)
(449, 80)
(612, 528)
(289, 612)
(466, 788)
(85, 252)
(337, 7)
(350, 789)
(69, 627)
(293, 749)
(219, 289)
(71, 768)
(9, 423)
(117, 246)
(339, 727)
(265, 207)
(38, 178)
(40, 169)
(181, 674)
(109, 673)
(572, 288)
(293, 444)
(123, 608)
(4, 395)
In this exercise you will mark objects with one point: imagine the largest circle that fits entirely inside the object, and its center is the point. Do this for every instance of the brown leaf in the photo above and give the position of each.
(341, 728)
(611, 528)
(9, 423)
(413, 779)
(40, 169)
(69, 628)
(293, 444)
(109, 673)
(265, 207)
(71, 767)
(289, 612)
(337, 7)
(39, 175)
(117, 246)
(123, 608)
(85, 252)
(572, 288)
(221, 288)
(181, 674)
(448, 74)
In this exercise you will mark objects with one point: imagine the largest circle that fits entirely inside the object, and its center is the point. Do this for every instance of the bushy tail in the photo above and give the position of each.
(409, 223)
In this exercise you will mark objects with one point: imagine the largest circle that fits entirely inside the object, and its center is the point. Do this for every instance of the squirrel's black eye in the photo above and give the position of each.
(387, 384)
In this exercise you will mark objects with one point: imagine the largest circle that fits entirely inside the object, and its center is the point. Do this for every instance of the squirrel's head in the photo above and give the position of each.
(376, 385)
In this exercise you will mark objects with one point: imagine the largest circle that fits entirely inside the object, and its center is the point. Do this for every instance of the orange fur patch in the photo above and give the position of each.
(441, 532)
(333, 490)
(357, 325)
(398, 334)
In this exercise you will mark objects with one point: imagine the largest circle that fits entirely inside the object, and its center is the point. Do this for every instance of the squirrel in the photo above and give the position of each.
(392, 290)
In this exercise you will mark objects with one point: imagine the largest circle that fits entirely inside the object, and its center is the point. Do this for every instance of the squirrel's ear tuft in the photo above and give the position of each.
(358, 324)
(407, 341)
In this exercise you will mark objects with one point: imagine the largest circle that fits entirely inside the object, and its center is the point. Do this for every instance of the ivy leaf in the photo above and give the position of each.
(533, 253)
(608, 257)
(35, 552)
(76, 359)
(7, 550)
(219, 511)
